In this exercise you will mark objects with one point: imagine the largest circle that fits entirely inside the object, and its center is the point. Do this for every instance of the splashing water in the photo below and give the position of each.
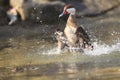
(99, 49)
(51, 51)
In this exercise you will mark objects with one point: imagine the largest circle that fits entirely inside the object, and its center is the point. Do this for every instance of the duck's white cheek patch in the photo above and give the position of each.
(71, 10)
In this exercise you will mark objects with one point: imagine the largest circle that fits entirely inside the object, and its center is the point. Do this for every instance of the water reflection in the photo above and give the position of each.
(61, 71)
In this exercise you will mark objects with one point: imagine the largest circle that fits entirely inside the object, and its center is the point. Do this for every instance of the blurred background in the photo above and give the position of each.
(28, 46)
(41, 11)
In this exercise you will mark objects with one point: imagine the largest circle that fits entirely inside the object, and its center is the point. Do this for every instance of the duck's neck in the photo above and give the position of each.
(72, 22)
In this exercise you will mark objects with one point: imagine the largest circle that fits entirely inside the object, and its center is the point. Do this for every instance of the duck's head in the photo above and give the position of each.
(68, 9)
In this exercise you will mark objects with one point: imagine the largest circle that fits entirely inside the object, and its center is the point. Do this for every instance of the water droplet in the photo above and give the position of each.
(34, 8)
(38, 18)
(41, 21)
(41, 12)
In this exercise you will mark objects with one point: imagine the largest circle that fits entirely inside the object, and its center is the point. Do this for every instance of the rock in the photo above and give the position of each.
(46, 11)
(85, 7)
(96, 6)
(3, 17)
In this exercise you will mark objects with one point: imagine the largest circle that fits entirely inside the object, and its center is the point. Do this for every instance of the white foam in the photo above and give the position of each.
(100, 49)
(53, 51)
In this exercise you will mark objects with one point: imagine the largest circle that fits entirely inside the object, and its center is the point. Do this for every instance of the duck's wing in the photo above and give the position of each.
(82, 33)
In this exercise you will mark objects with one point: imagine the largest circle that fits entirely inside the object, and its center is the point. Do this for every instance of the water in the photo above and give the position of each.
(99, 49)
(44, 62)
(34, 56)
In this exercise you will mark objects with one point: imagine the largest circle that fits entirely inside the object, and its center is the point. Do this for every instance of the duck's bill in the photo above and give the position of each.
(61, 14)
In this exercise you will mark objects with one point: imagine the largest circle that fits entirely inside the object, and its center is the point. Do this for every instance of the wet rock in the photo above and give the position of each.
(3, 17)
(46, 13)
(100, 6)
(86, 7)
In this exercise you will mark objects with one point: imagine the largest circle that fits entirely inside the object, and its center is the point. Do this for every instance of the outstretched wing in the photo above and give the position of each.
(82, 33)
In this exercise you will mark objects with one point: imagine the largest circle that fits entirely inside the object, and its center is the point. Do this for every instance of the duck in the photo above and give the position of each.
(12, 15)
(74, 33)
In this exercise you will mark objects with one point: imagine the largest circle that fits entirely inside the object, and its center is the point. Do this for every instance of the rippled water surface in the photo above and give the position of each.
(35, 57)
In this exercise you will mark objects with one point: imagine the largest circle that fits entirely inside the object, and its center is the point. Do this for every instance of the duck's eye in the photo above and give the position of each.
(65, 12)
